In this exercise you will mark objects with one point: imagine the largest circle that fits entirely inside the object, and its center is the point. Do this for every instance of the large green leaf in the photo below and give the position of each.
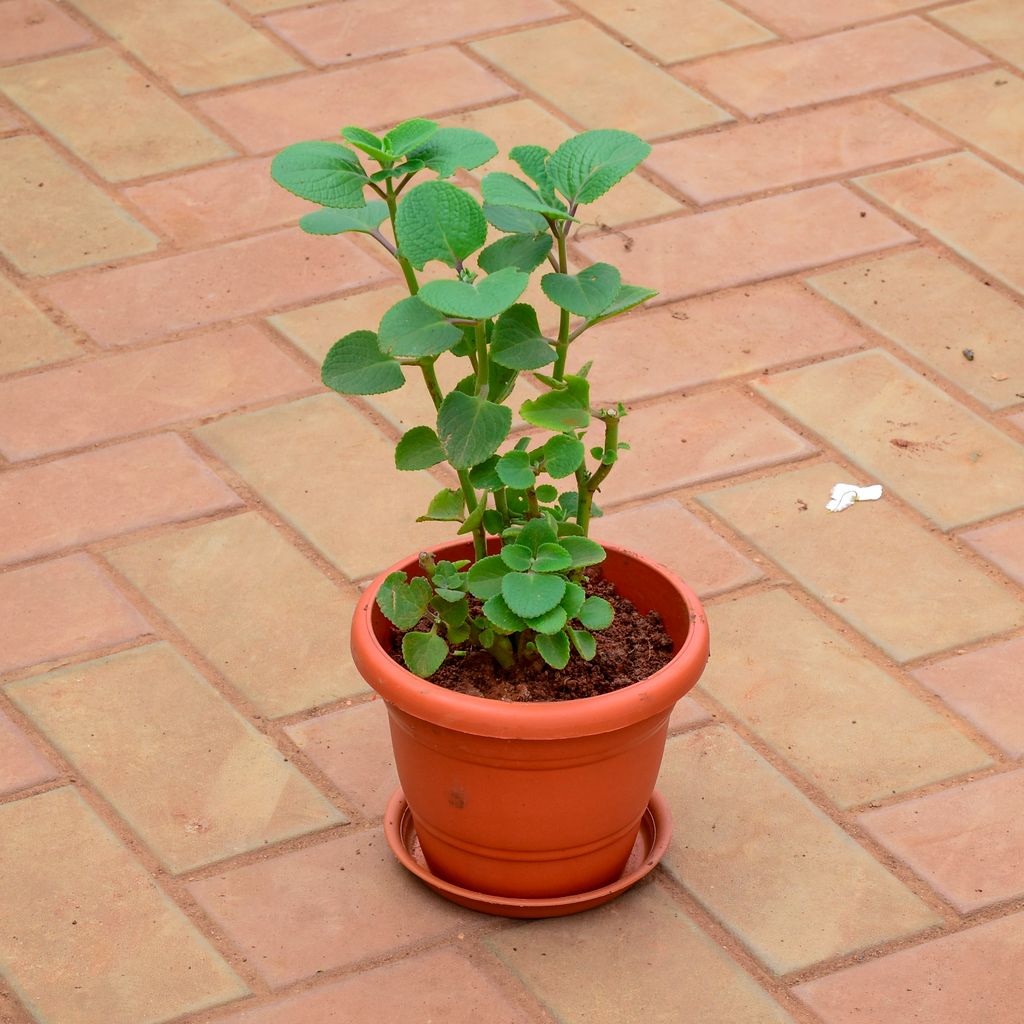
(335, 222)
(533, 161)
(552, 558)
(563, 455)
(403, 602)
(322, 172)
(517, 342)
(513, 220)
(586, 293)
(515, 470)
(355, 365)
(446, 506)
(419, 448)
(530, 594)
(629, 295)
(524, 252)
(583, 551)
(503, 189)
(554, 649)
(484, 578)
(408, 135)
(596, 613)
(452, 148)
(502, 616)
(552, 621)
(587, 165)
(536, 533)
(584, 642)
(424, 653)
(437, 221)
(412, 329)
(471, 428)
(565, 409)
(486, 297)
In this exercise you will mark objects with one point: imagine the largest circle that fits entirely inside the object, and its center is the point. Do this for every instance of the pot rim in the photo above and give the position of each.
(539, 719)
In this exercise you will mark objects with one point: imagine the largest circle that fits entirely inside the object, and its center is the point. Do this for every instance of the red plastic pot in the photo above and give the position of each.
(533, 800)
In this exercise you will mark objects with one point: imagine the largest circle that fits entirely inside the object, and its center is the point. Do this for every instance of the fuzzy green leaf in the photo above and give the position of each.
(418, 448)
(424, 653)
(412, 329)
(484, 577)
(403, 602)
(355, 365)
(536, 533)
(486, 297)
(563, 455)
(494, 522)
(502, 616)
(554, 649)
(586, 293)
(583, 551)
(552, 558)
(550, 622)
(531, 594)
(475, 517)
(367, 142)
(629, 295)
(532, 162)
(514, 470)
(596, 613)
(471, 428)
(523, 252)
(322, 172)
(584, 642)
(501, 189)
(365, 219)
(445, 507)
(573, 600)
(517, 341)
(485, 475)
(453, 613)
(587, 165)
(437, 221)
(452, 148)
(517, 557)
(405, 137)
(546, 492)
(514, 220)
(566, 409)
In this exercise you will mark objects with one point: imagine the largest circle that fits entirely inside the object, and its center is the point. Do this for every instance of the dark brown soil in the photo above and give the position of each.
(632, 648)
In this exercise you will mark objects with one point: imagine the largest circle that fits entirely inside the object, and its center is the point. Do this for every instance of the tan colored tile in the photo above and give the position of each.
(758, 855)
(906, 433)
(809, 17)
(330, 474)
(193, 44)
(747, 242)
(640, 958)
(554, 60)
(376, 95)
(108, 114)
(791, 150)
(52, 218)
(112, 490)
(928, 306)
(263, 6)
(887, 577)
(1002, 544)
(97, 941)
(967, 204)
(254, 607)
(831, 67)
(9, 121)
(849, 727)
(687, 714)
(192, 777)
(27, 337)
(31, 28)
(994, 24)
(22, 764)
(61, 607)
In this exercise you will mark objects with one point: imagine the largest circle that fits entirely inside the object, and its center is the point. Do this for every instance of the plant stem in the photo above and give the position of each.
(391, 198)
(595, 479)
(562, 346)
(482, 367)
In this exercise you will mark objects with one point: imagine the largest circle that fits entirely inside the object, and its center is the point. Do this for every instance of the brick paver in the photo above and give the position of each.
(192, 774)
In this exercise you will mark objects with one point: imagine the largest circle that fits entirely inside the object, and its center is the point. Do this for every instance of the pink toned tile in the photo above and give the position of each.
(61, 607)
(9, 121)
(156, 298)
(686, 714)
(31, 28)
(112, 490)
(1002, 544)
(810, 17)
(22, 764)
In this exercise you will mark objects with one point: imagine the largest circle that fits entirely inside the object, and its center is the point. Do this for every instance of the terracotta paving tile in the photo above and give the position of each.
(841, 559)
(21, 764)
(152, 299)
(640, 958)
(112, 490)
(192, 777)
(324, 907)
(1002, 544)
(263, 6)
(984, 686)
(831, 67)
(738, 244)
(9, 121)
(674, 32)
(27, 336)
(971, 977)
(668, 533)
(986, 110)
(906, 433)
(407, 992)
(216, 203)
(810, 17)
(193, 44)
(933, 309)
(353, 748)
(690, 440)
(994, 24)
(31, 28)
(822, 707)
(254, 607)
(129, 391)
(72, 96)
(791, 150)
(267, 117)
(553, 60)
(967, 204)
(338, 32)
(967, 842)
(95, 940)
(316, 462)
(61, 607)
(52, 218)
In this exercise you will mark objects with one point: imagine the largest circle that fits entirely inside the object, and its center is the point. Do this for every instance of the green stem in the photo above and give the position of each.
(482, 362)
(562, 345)
(594, 480)
(391, 198)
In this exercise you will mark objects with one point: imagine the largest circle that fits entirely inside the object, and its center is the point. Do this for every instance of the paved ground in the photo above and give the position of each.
(192, 774)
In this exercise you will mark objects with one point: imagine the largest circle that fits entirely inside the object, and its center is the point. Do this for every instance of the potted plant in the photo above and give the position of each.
(528, 717)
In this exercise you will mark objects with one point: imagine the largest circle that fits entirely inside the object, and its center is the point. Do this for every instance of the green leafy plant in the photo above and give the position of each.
(527, 600)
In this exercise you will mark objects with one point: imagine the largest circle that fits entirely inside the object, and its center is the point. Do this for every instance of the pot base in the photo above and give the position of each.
(651, 844)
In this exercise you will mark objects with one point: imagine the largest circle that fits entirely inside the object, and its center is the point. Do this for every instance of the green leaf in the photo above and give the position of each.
(452, 148)
(509, 218)
(554, 649)
(501, 189)
(418, 448)
(424, 653)
(584, 642)
(502, 616)
(403, 602)
(524, 252)
(365, 219)
(494, 522)
(412, 329)
(367, 142)
(484, 577)
(552, 558)
(536, 533)
(530, 594)
(570, 502)
(486, 297)
(445, 507)
(501, 382)
(629, 295)
(485, 475)
(405, 137)
(517, 341)
(586, 293)
(563, 455)
(471, 428)
(546, 492)
(448, 595)
(550, 622)
(475, 517)
(573, 600)
(596, 613)
(322, 172)
(517, 557)
(566, 409)
(355, 365)
(514, 470)
(587, 165)
(453, 613)
(583, 551)
(437, 221)
(533, 161)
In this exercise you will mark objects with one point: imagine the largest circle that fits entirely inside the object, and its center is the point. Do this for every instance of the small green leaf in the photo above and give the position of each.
(573, 600)
(484, 577)
(355, 365)
(452, 148)
(554, 649)
(419, 448)
(550, 622)
(322, 172)
(458, 634)
(517, 341)
(438, 221)
(583, 551)
(494, 523)
(563, 455)
(475, 518)
(533, 162)
(596, 613)
(531, 594)
(485, 298)
(587, 165)
(367, 142)
(566, 409)
(405, 137)
(516, 221)
(629, 295)
(450, 596)
(501, 189)
(365, 219)
(546, 492)
(515, 470)
(586, 293)
(584, 642)
(517, 557)
(471, 428)
(523, 252)
(536, 533)
(424, 653)
(453, 613)
(552, 558)
(403, 602)
(502, 616)
(501, 382)
(485, 475)
(570, 501)
(445, 507)
(412, 329)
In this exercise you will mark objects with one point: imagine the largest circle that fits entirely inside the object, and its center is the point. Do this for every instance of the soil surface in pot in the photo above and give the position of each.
(632, 648)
